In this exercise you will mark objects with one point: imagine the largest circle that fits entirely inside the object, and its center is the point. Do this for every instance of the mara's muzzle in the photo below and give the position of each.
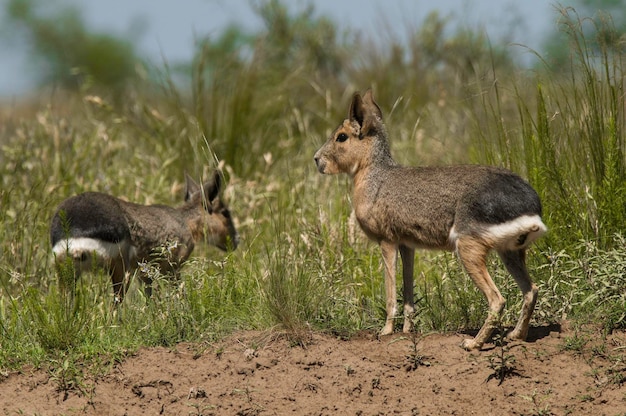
(320, 163)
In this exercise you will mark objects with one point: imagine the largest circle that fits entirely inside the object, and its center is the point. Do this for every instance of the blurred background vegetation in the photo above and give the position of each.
(259, 105)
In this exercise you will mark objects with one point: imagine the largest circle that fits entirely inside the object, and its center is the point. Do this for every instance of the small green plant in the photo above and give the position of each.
(575, 343)
(502, 362)
(201, 409)
(617, 374)
(66, 373)
(414, 359)
(62, 319)
(255, 408)
(66, 272)
(538, 408)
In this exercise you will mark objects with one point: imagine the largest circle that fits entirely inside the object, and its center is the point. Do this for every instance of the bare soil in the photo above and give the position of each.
(559, 371)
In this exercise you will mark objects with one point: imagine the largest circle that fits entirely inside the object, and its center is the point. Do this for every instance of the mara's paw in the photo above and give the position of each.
(408, 326)
(471, 344)
(387, 329)
(516, 335)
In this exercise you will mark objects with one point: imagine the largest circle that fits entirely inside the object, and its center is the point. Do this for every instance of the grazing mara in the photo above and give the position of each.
(468, 209)
(99, 230)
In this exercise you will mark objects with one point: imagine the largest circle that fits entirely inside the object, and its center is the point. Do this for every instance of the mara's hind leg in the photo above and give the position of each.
(390, 254)
(119, 280)
(408, 261)
(515, 263)
(473, 256)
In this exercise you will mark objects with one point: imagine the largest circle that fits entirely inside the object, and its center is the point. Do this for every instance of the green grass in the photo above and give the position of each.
(303, 265)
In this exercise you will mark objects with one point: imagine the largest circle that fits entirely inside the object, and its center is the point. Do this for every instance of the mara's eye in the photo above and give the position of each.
(342, 137)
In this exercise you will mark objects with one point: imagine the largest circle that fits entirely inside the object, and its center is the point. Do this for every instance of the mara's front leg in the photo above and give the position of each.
(390, 253)
(408, 261)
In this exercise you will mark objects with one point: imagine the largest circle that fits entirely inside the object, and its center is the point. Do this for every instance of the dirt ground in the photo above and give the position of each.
(559, 371)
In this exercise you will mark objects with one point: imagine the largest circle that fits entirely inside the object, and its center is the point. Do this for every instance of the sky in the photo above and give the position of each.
(166, 29)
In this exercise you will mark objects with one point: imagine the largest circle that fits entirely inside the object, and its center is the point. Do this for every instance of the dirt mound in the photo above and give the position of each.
(253, 373)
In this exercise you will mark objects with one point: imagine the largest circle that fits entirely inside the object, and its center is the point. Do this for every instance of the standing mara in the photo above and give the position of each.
(468, 209)
(99, 230)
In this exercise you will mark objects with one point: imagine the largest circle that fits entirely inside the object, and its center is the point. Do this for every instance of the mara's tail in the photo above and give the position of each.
(516, 234)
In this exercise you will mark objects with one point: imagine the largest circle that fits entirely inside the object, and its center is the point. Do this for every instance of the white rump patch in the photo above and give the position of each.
(76, 247)
(512, 235)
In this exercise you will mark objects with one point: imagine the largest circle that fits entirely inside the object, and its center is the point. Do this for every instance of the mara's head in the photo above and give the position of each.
(214, 224)
(358, 141)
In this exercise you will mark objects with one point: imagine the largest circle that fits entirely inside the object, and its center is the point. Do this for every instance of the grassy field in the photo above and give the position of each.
(302, 263)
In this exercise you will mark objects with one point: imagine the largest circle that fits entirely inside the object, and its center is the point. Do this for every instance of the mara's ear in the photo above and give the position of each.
(356, 112)
(191, 187)
(372, 108)
(212, 187)
(366, 113)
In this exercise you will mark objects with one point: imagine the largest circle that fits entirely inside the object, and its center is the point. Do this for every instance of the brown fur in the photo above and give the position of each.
(96, 229)
(469, 209)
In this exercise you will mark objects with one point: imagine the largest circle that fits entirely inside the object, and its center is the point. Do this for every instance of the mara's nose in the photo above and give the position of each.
(319, 163)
